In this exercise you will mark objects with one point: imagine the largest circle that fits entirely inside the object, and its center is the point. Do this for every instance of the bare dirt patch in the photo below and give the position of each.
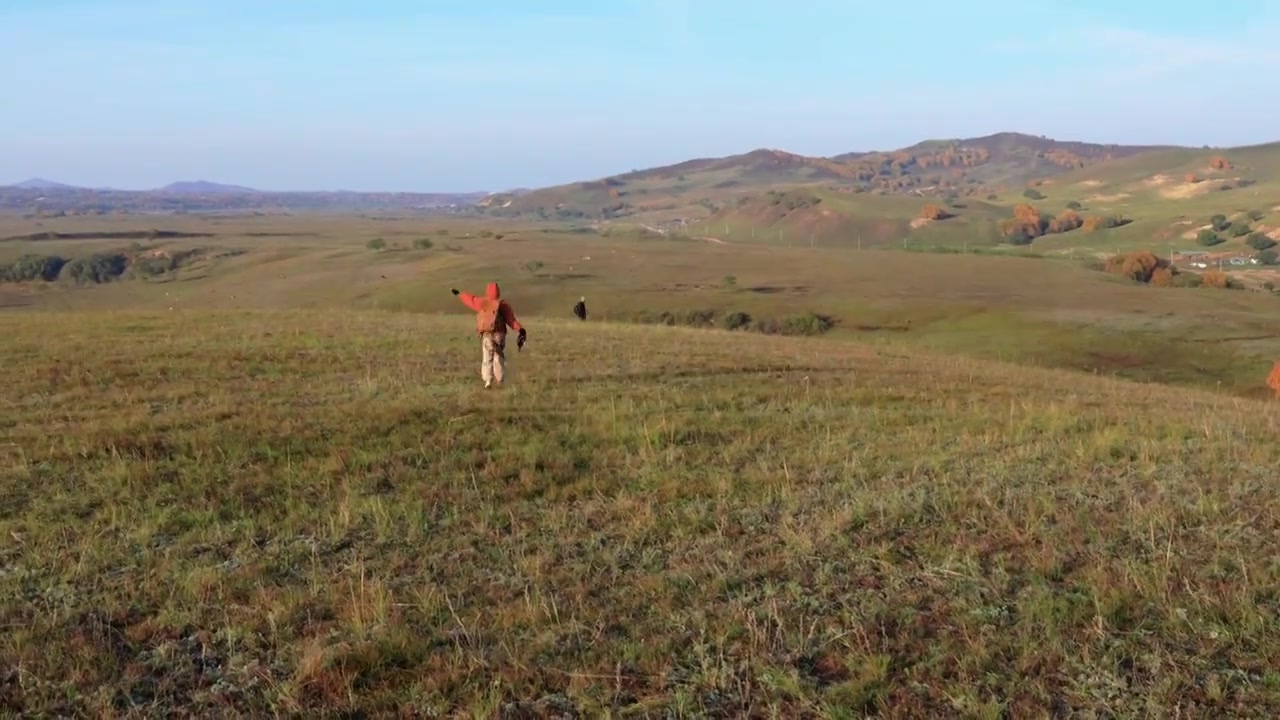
(1091, 183)
(1107, 198)
(1191, 234)
(1185, 190)
(918, 223)
(1156, 180)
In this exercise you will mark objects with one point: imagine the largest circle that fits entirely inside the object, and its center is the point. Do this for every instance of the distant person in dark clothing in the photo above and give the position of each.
(581, 308)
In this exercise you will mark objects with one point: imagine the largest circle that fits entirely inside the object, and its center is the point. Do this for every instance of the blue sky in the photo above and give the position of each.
(490, 94)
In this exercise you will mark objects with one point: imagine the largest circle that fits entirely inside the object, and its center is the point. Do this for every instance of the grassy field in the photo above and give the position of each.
(1040, 312)
(287, 512)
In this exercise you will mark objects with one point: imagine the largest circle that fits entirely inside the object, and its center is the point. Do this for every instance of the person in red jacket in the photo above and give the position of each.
(493, 317)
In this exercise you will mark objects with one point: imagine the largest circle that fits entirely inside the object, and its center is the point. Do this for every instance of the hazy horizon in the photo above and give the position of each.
(384, 96)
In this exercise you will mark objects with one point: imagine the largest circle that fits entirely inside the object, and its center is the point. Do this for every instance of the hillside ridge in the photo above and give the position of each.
(953, 167)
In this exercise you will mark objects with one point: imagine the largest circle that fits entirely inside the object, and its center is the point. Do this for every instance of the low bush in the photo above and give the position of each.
(29, 268)
(806, 324)
(97, 268)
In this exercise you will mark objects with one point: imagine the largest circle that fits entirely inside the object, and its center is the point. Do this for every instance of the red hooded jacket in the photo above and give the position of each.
(506, 316)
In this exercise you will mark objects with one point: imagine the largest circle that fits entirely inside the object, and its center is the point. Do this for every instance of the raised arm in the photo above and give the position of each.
(467, 299)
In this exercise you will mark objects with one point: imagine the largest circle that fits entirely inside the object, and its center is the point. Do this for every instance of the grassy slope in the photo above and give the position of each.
(320, 511)
(847, 219)
(1166, 209)
(1040, 312)
(1147, 188)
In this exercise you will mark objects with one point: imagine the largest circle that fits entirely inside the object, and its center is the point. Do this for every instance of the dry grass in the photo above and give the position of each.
(320, 512)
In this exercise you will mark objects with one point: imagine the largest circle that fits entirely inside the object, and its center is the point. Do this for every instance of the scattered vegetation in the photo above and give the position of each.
(1029, 223)
(806, 324)
(1143, 267)
(423, 244)
(1094, 223)
(376, 244)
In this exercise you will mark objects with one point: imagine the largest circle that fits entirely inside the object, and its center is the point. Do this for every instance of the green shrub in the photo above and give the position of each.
(736, 321)
(1208, 238)
(1259, 241)
(698, 318)
(807, 324)
(97, 268)
(33, 267)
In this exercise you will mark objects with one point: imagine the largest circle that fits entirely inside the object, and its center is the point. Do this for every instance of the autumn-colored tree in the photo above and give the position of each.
(1162, 277)
(1192, 178)
(1273, 380)
(1220, 163)
(1215, 279)
(1026, 212)
(1066, 222)
(1139, 266)
(1094, 222)
(1027, 222)
(934, 212)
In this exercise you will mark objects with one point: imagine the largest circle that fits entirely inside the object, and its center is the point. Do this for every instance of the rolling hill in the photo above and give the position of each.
(941, 168)
(42, 184)
(1005, 189)
(203, 187)
(203, 196)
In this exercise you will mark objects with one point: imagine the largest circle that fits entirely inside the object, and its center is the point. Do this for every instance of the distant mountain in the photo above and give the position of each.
(42, 184)
(205, 196)
(203, 187)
